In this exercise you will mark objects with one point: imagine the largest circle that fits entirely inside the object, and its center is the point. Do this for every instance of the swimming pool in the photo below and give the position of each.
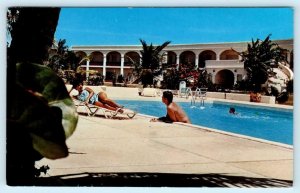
(261, 122)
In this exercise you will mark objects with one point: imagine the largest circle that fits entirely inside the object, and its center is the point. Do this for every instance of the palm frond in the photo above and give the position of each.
(86, 58)
(161, 47)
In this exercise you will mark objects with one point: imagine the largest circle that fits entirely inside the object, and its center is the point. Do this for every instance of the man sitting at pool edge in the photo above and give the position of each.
(174, 112)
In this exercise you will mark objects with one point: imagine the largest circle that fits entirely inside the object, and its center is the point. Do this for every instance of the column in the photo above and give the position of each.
(235, 78)
(213, 76)
(165, 58)
(104, 65)
(87, 69)
(196, 61)
(122, 65)
(177, 61)
(218, 56)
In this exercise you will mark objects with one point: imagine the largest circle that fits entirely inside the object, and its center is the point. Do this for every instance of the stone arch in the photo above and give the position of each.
(97, 58)
(229, 55)
(113, 59)
(187, 57)
(206, 55)
(224, 78)
(134, 56)
(81, 55)
(171, 58)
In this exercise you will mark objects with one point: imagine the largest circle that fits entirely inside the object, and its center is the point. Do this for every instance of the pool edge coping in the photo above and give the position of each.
(228, 133)
(286, 107)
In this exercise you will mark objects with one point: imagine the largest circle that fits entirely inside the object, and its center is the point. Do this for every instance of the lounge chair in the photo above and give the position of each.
(149, 92)
(92, 110)
(184, 91)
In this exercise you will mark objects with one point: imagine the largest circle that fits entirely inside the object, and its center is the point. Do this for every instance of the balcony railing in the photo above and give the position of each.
(224, 64)
(128, 64)
(96, 63)
(113, 64)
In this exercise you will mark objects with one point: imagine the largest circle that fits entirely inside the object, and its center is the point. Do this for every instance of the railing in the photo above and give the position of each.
(113, 64)
(96, 63)
(286, 70)
(100, 64)
(198, 93)
(224, 64)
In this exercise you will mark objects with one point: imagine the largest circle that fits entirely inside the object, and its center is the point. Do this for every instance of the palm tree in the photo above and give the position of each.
(259, 58)
(151, 60)
(87, 58)
(56, 61)
(61, 47)
(72, 61)
(151, 56)
(63, 58)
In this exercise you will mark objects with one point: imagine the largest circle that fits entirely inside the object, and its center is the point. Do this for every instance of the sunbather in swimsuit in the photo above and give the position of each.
(88, 95)
(85, 94)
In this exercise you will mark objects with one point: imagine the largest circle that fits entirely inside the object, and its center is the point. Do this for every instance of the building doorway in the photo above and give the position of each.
(225, 79)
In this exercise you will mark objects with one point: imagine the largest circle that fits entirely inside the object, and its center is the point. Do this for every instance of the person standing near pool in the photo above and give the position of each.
(174, 111)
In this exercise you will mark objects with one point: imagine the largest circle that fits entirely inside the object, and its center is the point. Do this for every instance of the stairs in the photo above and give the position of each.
(282, 75)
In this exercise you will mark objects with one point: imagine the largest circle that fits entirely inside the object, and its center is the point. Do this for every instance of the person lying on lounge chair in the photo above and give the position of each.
(100, 99)
(174, 112)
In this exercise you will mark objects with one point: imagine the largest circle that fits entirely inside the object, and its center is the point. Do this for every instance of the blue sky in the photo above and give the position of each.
(125, 26)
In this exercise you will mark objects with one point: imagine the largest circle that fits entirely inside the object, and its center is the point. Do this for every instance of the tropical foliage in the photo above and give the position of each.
(204, 81)
(259, 58)
(63, 58)
(151, 55)
(290, 86)
(137, 67)
(151, 60)
(93, 77)
(40, 115)
(171, 79)
(86, 58)
(193, 77)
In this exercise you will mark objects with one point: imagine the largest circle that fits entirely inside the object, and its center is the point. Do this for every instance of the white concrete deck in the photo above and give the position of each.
(136, 152)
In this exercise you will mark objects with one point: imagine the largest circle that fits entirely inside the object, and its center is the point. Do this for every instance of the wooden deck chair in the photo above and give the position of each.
(92, 110)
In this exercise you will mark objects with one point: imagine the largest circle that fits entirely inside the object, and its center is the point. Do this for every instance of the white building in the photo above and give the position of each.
(218, 59)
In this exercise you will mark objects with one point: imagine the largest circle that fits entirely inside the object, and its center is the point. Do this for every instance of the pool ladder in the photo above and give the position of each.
(199, 93)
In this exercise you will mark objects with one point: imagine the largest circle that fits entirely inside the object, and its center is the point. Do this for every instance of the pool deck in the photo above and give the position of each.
(137, 152)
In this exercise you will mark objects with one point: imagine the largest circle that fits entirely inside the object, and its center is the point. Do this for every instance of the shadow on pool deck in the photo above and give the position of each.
(159, 180)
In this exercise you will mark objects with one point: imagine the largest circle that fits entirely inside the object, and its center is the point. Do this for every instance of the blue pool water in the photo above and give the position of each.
(261, 122)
